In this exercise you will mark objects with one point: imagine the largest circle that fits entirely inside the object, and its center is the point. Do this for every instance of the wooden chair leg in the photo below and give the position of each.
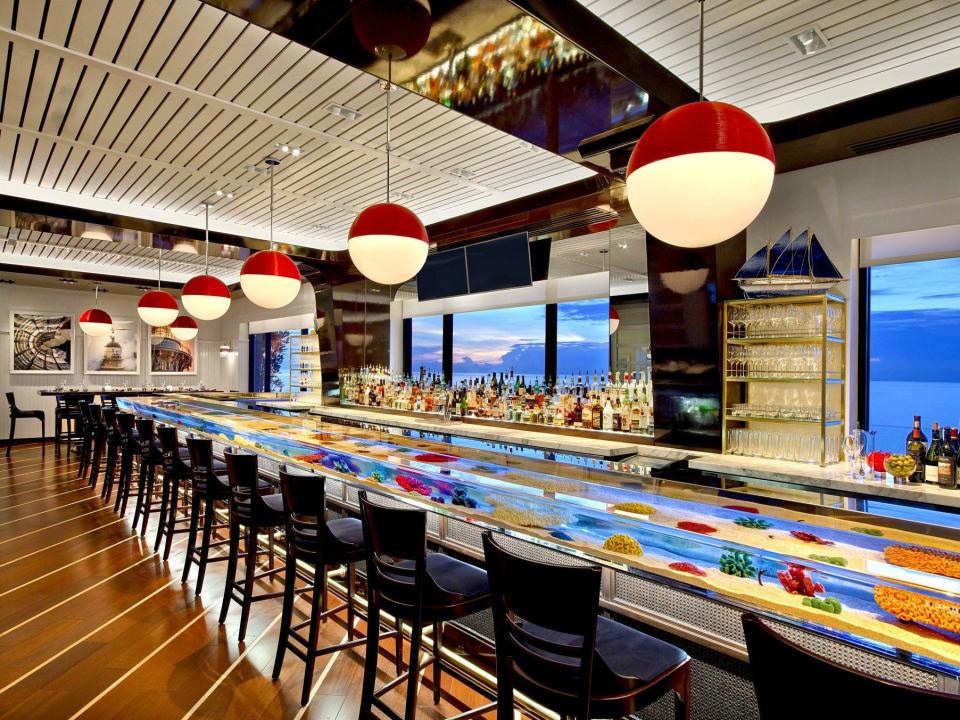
(313, 637)
(681, 707)
(13, 430)
(191, 537)
(208, 520)
(172, 511)
(234, 555)
(413, 677)
(370, 661)
(437, 644)
(286, 620)
(250, 571)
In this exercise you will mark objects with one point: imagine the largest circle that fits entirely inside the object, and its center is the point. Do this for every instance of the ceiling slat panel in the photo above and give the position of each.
(41, 154)
(83, 98)
(88, 21)
(114, 29)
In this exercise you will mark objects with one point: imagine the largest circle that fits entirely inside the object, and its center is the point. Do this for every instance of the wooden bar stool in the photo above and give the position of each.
(411, 584)
(554, 646)
(207, 489)
(112, 449)
(151, 457)
(253, 507)
(312, 540)
(176, 470)
(86, 439)
(18, 414)
(99, 443)
(129, 444)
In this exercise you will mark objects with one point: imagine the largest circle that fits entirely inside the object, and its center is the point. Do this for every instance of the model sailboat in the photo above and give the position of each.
(797, 266)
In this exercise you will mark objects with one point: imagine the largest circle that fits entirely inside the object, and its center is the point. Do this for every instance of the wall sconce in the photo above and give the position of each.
(225, 350)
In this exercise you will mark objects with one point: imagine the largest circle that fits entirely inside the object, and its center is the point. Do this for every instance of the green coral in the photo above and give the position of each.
(830, 604)
(868, 531)
(377, 476)
(832, 559)
(754, 523)
(737, 563)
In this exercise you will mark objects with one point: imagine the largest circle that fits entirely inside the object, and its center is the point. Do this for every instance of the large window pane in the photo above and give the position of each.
(583, 337)
(914, 339)
(427, 344)
(499, 341)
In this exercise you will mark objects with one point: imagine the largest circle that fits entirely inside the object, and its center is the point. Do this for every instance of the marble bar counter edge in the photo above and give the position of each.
(531, 438)
(831, 477)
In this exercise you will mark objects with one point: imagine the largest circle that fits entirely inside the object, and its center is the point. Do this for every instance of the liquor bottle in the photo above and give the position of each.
(596, 415)
(917, 449)
(607, 423)
(586, 413)
(617, 416)
(933, 453)
(955, 440)
(947, 465)
(916, 425)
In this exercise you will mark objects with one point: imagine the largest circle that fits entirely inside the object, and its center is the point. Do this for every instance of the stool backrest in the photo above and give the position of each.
(244, 476)
(124, 422)
(109, 419)
(554, 661)
(396, 547)
(145, 429)
(96, 414)
(170, 447)
(86, 420)
(72, 401)
(61, 401)
(304, 505)
(12, 402)
(776, 663)
(201, 457)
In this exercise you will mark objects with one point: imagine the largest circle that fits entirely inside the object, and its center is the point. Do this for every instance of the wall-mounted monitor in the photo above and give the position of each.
(499, 264)
(443, 275)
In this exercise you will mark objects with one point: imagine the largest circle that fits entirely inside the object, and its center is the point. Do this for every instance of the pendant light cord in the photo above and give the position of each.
(271, 207)
(206, 238)
(701, 50)
(159, 264)
(389, 90)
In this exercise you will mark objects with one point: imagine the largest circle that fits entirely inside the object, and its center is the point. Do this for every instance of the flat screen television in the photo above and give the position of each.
(443, 275)
(499, 264)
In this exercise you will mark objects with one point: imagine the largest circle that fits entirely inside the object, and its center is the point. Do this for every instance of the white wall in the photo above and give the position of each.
(213, 371)
(903, 190)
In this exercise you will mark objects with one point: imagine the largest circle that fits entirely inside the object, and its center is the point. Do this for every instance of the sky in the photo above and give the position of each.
(513, 338)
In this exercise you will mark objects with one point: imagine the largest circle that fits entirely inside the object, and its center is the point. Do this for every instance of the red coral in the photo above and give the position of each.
(810, 537)
(314, 458)
(433, 458)
(411, 484)
(687, 568)
(797, 581)
(696, 527)
(742, 508)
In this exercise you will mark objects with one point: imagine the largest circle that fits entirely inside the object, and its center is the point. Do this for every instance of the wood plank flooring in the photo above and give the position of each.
(94, 625)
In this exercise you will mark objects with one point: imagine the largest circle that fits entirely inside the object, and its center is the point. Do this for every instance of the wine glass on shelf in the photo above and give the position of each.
(870, 474)
(853, 445)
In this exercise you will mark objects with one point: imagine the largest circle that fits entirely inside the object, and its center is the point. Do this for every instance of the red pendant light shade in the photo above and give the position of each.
(184, 328)
(206, 297)
(700, 174)
(270, 279)
(392, 28)
(95, 322)
(388, 243)
(614, 320)
(157, 308)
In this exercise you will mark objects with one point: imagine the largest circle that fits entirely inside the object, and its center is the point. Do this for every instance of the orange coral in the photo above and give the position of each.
(939, 562)
(914, 607)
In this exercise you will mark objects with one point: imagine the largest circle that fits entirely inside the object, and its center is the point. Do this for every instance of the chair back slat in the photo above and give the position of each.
(169, 447)
(11, 401)
(244, 477)
(201, 457)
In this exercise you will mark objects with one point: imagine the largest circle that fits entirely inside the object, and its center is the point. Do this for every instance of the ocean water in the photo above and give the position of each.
(894, 403)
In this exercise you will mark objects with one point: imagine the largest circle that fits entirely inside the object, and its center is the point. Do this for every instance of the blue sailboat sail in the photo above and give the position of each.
(756, 266)
(821, 266)
(793, 260)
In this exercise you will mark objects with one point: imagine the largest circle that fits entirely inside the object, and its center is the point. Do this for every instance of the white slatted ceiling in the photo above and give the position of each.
(160, 101)
(875, 44)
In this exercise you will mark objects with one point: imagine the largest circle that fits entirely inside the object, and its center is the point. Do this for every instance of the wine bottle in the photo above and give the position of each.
(930, 471)
(947, 465)
(917, 449)
(916, 425)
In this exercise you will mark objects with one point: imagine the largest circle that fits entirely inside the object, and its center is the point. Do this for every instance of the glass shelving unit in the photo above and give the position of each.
(306, 376)
(783, 364)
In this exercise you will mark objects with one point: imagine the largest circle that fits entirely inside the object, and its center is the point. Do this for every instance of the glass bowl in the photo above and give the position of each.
(902, 467)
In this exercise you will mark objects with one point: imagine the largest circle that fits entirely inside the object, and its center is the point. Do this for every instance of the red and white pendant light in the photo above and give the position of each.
(95, 322)
(158, 308)
(184, 328)
(614, 320)
(387, 242)
(701, 173)
(269, 278)
(206, 297)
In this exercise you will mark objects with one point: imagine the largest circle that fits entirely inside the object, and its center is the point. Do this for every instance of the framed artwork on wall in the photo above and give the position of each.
(116, 353)
(41, 342)
(169, 356)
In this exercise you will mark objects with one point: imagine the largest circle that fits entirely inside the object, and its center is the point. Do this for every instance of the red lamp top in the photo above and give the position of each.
(185, 321)
(95, 315)
(206, 285)
(388, 219)
(701, 127)
(158, 299)
(396, 28)
(614, 315)
(270, 262)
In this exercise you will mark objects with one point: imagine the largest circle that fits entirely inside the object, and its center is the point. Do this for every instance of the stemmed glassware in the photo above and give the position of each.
(853, 446)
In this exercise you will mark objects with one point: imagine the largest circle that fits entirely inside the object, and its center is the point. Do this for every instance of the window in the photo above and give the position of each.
(427, 344)
(499, 341)
(583, 337)
(914, 334)
(270, 361)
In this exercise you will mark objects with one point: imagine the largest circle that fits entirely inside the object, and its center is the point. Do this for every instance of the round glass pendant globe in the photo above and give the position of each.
(157, 308)
(95, 322)
(388, 259)
(269, 291)
(184, 328)
(206, 297)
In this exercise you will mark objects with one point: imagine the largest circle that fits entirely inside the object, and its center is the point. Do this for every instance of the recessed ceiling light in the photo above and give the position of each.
(343, 111)
(622, 246)
(463, 173)
(809, 41)
(603, 251)
(68, 281)
(144, 287)
(584, 253)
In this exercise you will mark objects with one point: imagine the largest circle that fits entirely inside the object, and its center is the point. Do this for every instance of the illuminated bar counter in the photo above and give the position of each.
(874, 586)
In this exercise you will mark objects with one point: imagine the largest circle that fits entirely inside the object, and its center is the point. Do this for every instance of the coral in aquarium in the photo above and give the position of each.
(832, 559)
(938, 562)
(342, 467)
(525, 516)
(460, 497)
(754, 523)
(377, 476)
(742, 508)
(796, 580)
(737, 563)
(868, 531)
(312, 458)
(696, 527)
(412, 484)
(830, 604)
(561, 535)
(637, 508)
(687, 568)
(810, 537)
(914, 607)
(624, 544)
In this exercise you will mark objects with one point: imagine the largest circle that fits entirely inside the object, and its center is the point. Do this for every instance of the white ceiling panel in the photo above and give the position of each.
(873, 45)
(145, 108)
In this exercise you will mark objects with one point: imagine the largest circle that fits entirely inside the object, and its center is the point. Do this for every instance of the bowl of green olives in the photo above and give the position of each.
(900, 466)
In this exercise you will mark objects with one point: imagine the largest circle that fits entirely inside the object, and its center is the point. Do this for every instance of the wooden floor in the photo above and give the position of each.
(94, 625)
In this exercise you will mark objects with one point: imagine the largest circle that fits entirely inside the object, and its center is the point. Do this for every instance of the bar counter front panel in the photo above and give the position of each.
(877, 595)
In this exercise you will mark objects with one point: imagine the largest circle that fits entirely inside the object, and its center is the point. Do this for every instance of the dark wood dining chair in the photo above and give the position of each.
(18, 414)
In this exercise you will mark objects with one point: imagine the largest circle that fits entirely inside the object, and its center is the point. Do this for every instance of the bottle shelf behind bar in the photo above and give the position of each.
(615, 404)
